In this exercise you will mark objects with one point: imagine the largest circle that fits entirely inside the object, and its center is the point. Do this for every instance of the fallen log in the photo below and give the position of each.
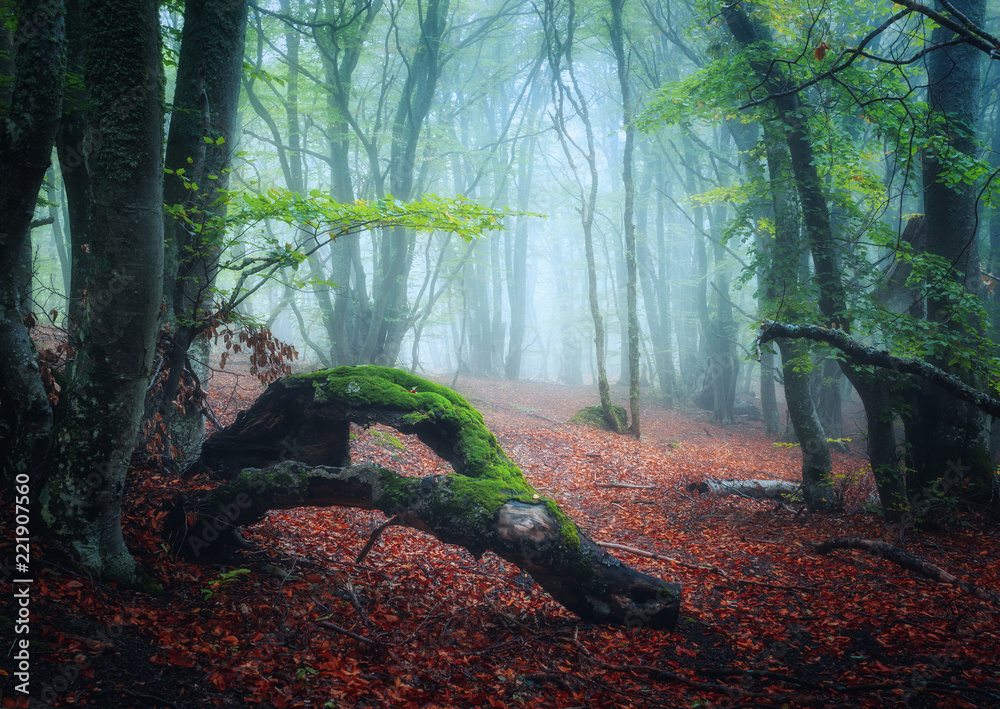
(907, 561)
(291, 448)
(755, 489)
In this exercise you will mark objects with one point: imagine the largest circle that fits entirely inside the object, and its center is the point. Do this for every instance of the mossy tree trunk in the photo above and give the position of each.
(949, 439)
(99, 411)
(32, 56)
(291, 449)
(832, 297)
(200, 146)
(782, 277)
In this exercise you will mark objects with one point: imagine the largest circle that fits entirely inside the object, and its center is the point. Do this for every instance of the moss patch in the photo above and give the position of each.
(593, 416)
(485, 478)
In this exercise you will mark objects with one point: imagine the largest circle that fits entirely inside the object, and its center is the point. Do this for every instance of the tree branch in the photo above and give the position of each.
(292, 449)
(860, 353)
(907, 561)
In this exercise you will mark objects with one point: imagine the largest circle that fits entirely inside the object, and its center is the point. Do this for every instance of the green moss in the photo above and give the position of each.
(396, 491)
(387, 440)
(566, 526)
(593, 416)
(487, 478)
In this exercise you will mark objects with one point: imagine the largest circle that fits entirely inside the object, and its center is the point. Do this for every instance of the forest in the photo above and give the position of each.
(549, 353)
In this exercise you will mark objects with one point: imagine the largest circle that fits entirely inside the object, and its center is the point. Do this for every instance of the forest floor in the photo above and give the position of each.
(764, 621)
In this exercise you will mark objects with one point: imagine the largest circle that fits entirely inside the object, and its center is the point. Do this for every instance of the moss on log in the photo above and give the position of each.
(593, 416)
(291, 449)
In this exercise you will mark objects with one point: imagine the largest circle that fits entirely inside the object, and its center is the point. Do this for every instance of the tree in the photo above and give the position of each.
(946, 435)
(200, 145)
(485, 505)
(569, 100)
(32, 58)
(617, 32)
(83, 451)
(101, 405)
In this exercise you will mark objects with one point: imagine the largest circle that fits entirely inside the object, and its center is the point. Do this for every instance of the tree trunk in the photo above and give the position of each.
(781, 281)
(948, 439)
(665, 358)
(75, 138)
(563, 93)
(754, 489)
(658, 331)
(34, 58)
(628, 216)
(485, 505)
(99, 412)
(390, 312)
(768, 396)
(200, 145)
(816, 216)
(516, 256)
(58, 235)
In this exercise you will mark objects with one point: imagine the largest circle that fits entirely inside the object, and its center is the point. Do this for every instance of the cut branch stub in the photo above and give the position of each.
(291, 449)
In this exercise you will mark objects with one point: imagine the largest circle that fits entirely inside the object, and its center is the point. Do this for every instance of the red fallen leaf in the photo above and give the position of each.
(821, 51)
(222, 678)
(174, 657)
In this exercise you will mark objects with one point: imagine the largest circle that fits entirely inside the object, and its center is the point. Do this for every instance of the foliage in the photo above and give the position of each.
(241, 239)
(224, 579)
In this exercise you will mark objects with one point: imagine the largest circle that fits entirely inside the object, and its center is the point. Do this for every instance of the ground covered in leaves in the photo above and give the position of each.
(764, 621)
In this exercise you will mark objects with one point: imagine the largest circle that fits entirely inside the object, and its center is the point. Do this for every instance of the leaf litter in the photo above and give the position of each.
(764, 620)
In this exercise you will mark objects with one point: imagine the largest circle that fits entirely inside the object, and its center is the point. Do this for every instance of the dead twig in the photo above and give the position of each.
(344, 631)
(715, 569)
(907, 561)
(374, 537)
(661, 557)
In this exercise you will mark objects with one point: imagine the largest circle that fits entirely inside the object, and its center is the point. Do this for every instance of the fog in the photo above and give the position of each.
(514, 106)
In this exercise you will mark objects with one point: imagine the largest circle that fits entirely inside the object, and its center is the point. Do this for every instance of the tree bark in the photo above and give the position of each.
(291, 449)
(863, 354)
(756, 489)
(907, 561)
(200, 145)
(34, 58)
(75, 139)
(816, 217)
(99, 412)
(628, 216)
(782, 281)
(943, 432)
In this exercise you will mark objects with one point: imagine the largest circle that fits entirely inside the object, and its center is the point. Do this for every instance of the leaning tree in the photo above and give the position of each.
(292, 449)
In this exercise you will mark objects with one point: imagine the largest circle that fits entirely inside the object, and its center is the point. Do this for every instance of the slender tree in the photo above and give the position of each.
(566, 97)
(617, 32)
(200, 145)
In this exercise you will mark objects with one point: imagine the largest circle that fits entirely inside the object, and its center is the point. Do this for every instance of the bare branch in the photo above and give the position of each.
(860, 353)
